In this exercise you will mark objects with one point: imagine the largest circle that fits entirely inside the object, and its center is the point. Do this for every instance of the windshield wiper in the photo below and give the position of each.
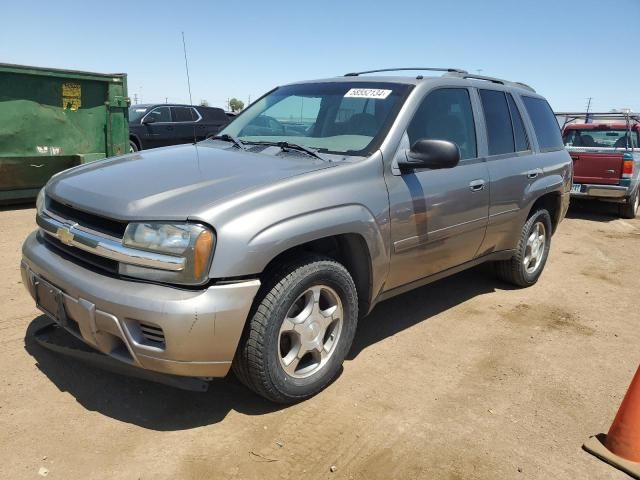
(229, 138)
(286, 146)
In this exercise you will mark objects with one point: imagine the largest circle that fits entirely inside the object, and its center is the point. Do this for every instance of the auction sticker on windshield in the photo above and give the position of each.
(368, 93)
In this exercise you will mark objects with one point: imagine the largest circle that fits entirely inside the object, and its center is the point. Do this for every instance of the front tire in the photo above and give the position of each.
(525, 267)
(133, 146)
(629, 210)
(300, 331)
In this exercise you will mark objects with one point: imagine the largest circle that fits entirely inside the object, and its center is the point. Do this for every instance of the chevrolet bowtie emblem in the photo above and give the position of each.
(64, 235)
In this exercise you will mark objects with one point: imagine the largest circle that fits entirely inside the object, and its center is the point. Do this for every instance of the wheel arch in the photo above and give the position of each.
(552, 202)
(349, 249)
(135, 139)
(347, 233)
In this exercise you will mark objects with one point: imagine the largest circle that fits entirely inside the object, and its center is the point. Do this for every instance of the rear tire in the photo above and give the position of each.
(300, 331)
(133, 146)
(630, 209)
(526, 266)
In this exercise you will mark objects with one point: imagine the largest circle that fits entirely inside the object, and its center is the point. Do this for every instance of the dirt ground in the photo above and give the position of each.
(462, 379)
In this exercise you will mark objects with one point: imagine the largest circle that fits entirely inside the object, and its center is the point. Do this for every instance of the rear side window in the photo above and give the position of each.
(445, 114)
(183, 114)
(498, 121)
(519, 132)
(544, 123)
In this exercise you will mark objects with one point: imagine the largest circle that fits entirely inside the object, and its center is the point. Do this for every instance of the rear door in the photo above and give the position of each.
(185, 125)
(511, 164)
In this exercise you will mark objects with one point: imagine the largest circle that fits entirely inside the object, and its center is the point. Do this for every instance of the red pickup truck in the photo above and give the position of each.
(606, 158)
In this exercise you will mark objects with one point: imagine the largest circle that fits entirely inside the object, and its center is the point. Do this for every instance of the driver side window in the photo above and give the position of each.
(161, 114)
(446, 114)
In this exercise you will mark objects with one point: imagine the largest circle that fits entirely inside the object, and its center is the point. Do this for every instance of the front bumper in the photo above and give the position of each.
(604, 192)
(193, 332)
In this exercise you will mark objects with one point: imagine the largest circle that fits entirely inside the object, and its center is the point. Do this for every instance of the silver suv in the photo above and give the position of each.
(259, 249)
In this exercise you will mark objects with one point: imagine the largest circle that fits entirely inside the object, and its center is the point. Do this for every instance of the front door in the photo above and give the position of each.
(160, 132)
(438, 217)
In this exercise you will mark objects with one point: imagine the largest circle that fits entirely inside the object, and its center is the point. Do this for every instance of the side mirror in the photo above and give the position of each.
(149, 119)
(431, 154)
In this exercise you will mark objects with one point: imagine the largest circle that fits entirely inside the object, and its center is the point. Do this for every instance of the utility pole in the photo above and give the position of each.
(135, 98)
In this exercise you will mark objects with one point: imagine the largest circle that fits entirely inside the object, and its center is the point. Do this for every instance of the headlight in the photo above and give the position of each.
(191, 241)
(40, 201)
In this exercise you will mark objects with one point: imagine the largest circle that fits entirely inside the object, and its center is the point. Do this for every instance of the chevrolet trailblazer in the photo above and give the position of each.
(259, 249)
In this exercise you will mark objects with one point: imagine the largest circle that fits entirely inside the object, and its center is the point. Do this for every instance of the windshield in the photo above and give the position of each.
(136, 112)
(339, 117)
(600, 138)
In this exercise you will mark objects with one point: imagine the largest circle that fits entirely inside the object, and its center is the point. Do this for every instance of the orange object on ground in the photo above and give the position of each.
(621, 446)
(623, 438)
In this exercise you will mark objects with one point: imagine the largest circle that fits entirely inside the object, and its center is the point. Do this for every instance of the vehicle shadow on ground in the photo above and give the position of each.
(141, 402)
(163, 408)
(18, 206)
(593, 210)
(411, 308)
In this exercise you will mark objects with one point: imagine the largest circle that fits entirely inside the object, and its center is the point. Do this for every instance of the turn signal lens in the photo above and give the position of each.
(627, 167)
(202, 253)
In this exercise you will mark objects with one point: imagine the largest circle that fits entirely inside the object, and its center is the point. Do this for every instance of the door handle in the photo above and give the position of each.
(476, 185)
(534, 173)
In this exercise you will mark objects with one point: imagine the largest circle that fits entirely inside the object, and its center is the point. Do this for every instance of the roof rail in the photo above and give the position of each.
(491, 79)
(430, 69)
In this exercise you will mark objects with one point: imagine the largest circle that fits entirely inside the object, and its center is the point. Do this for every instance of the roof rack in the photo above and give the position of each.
(430, 69)
(455, 72)
(627, 117)
(490, 79)
(607, 115)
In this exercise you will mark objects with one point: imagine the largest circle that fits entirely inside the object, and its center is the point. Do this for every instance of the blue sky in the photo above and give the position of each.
(566, 50)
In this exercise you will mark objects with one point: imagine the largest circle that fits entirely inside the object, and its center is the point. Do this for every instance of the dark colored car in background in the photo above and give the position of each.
(159, 125)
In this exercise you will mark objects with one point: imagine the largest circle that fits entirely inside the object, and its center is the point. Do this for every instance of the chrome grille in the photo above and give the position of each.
(92, 221)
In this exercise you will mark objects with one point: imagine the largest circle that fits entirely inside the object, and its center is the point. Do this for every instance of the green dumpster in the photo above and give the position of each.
(51, 120)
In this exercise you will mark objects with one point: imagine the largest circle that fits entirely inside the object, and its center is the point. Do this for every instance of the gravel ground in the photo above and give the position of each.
(462, 379)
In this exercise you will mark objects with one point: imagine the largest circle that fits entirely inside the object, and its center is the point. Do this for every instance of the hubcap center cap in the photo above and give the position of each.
(311, 331)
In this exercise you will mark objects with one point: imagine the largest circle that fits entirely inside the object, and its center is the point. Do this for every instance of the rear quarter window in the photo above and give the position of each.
(544, 122)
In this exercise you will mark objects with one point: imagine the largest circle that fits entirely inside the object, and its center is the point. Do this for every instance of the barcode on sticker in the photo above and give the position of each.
(368, 93)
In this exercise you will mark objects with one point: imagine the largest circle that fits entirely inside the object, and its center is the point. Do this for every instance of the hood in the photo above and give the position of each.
(172, 183)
